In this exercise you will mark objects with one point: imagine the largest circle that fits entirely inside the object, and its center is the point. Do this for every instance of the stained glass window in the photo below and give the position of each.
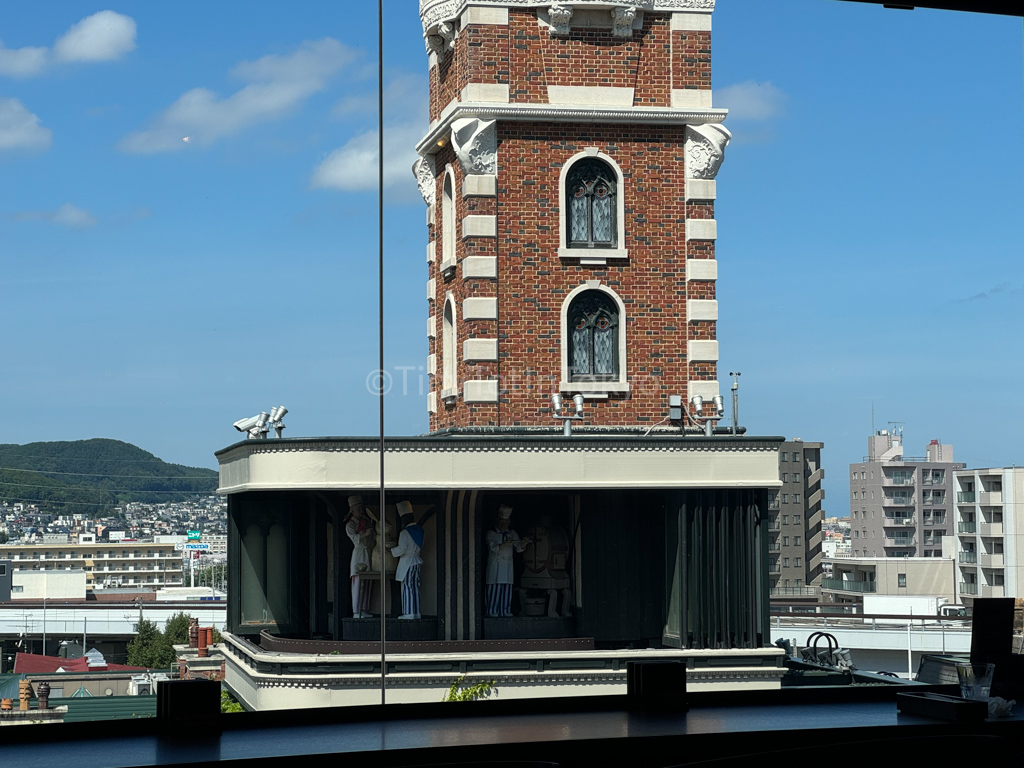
(591, 204)
(594, 338)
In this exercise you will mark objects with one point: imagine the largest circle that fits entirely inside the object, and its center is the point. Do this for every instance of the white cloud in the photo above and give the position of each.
(354, 165)
(22, 62)
(751, 100)
(277, 86)
(67, 215)
(20, 129)
(104, 36)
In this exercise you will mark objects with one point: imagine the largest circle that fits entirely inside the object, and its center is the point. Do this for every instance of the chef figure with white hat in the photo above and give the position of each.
(501, 542)
(360, 531)
(410, 542)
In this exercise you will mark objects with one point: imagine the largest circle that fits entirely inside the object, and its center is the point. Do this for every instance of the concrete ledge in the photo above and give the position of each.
(691, 98)
(483, 350)
(701, 309)
(480, 185)
(701, 189)
(701, 269)
(592, 95)
(482, 267)
(480, 391)
(706, 389)
(492, 16)
(486, 92)
(431, 289)
(701, 229)
(431, 327)
(482, 309)
(432, 402)
(431, 251)
(702, 351)
(593, 255)
(432, 363)
(479, 225)
(690, 22)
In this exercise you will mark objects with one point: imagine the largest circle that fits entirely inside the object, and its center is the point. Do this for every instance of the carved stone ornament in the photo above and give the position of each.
(622, 21)
(435, 44)
(705, 149)
(433, 12)
(423, 170)
(446, 31)
(475, 142)
(559, 15)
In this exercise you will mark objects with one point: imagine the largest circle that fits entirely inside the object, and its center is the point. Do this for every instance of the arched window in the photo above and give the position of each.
(448, 346)
(593, 328)
(591, 205)
(447, 221)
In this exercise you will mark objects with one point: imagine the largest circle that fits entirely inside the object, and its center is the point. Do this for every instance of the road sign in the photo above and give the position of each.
(197, 546)
(180, 546)
(195, 535)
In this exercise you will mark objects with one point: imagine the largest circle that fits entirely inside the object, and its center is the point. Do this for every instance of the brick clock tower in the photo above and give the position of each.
(569, 173)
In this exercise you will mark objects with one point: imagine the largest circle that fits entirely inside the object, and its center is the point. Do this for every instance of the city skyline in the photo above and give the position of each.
(162, 289)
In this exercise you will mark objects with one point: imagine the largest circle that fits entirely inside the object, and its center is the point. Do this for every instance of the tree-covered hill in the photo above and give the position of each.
(88, 475)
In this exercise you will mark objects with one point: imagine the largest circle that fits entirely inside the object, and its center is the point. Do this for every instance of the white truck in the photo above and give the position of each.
(915, 606)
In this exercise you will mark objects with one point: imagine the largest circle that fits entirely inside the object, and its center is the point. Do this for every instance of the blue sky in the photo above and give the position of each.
(155, 289)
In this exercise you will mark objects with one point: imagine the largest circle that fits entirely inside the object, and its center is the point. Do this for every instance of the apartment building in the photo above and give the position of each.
(795, 560)
(901, 506)
(989, 551)
(134, 563)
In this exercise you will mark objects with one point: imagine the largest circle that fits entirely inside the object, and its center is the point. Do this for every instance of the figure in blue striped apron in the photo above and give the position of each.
(410, 542)
(502, 541)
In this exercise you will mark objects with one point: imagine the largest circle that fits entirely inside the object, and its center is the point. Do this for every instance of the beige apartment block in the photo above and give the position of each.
(989, 539)
(128, 564)
(854, 577)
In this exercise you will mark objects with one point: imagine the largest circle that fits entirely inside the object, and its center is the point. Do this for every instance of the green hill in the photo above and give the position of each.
(92, 475)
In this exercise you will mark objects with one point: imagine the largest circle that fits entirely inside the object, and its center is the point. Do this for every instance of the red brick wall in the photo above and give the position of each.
(532, 280)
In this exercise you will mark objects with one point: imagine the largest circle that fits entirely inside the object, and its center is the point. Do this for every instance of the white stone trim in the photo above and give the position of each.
(480, 309)
(497, 17)
(557, 113)
(479, 225)
(431, 289)
(431, 251)
(701, 269)
(431, 327)
(591, 95)
(701, 309)
(430, 214)
(431, 402)
(690, 22)
(691, 98)
(619, 251)
(701, 189)
(480, 391)
(485, 92)
(702, 351)
(433, 12)
(566, 385)
(480, 185)
(432, 364)
(706, 389)
(701, 229)
(593, 256)
(482, 350)
(481, 267)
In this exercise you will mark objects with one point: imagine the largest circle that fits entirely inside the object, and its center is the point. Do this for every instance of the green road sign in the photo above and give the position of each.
(194, 535)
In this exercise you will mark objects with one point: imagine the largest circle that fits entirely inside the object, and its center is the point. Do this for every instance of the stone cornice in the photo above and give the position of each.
(433, 12)
(566, 114)
(504, 443)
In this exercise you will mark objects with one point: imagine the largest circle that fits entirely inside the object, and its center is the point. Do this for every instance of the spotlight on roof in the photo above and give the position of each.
(276, 415)
(255, 426)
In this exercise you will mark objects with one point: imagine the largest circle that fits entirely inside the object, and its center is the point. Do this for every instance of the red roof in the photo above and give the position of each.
(34, 663)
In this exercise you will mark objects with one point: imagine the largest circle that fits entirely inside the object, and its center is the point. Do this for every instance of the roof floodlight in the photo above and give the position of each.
(697, 402)
(719, 402)
(556, 402)
(578, 402)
